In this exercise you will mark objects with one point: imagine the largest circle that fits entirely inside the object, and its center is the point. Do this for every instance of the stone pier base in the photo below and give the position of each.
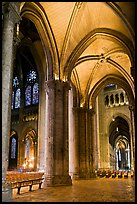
(74, 176)
(57, 180)
(6, 192)
(87, 175)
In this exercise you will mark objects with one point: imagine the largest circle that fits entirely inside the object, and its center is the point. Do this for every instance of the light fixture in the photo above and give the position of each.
(113, 119)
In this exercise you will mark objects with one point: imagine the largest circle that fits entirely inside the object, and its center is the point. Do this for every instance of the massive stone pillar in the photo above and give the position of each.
(10, 18)
(57, 155)
(85, 142)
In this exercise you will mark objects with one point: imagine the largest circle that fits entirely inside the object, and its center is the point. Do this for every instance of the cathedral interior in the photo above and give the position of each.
(68, 90)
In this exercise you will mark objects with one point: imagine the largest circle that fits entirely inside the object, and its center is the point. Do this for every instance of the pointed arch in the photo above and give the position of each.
(34, 12)
(108, 80)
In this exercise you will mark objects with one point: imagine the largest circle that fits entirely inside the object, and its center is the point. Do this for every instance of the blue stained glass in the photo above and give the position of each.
(28, 96)
(31, 76)
(35, 94)
(17, 99)
(12, 105)
(15, 82)
(13, 148)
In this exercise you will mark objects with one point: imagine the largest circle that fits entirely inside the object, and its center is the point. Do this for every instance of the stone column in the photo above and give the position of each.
(91, 143)
(57, 161)
(10, 18)
(41, 154)
(85, 143)
(94, 144)
(74, 144)
(82, 142)
(132, 114)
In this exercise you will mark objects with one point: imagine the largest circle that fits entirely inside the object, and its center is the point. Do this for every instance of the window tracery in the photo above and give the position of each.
(32, 89)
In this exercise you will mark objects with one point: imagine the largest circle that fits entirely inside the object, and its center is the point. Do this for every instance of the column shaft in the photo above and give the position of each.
(10, 17)
(74, 144)
(57, 161)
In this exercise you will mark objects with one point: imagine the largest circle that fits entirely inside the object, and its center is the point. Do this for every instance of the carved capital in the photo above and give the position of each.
(67, 86)
(56, 85)
(11, 11)
(49, 85)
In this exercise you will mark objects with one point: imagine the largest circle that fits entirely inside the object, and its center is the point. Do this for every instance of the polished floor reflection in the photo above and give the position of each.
(94, 190)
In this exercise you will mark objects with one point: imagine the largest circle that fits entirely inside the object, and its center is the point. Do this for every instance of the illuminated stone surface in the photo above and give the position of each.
(94, 190)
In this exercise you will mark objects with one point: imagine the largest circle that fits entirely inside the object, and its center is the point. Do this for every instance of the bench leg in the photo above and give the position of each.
(30, 188)
(18, 190)
(40, 185)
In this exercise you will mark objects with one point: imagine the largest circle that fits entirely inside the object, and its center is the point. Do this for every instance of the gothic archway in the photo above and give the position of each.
(119, 140)
(30, 150)
(13, 150)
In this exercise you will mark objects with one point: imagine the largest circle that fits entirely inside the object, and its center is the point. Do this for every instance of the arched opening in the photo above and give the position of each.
(30, 151)
(13, 150)
(119, 140)
(25, 90)
(110, 123)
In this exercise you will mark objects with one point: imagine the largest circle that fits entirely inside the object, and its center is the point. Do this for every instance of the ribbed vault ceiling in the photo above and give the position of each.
(95, 38)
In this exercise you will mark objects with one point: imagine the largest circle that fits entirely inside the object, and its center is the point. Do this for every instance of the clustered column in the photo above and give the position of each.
(82, 144)
(57, 161)
(10, 18)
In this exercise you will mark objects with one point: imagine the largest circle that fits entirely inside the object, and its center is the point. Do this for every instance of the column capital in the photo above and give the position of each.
(66, 85)
(92, 111)
(12, 11)
(56, 85)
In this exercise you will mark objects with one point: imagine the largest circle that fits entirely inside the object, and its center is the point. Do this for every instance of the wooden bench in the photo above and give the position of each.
(108, 174)
(24, 183)
(132, 174)
(120, 175)
(19, 180)
(102, 174)
(114, 175)
(125, 174)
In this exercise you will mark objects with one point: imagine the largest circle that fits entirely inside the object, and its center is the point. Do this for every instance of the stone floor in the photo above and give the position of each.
(94, 190)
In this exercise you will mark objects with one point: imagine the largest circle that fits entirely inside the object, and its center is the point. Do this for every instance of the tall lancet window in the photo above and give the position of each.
(35, 93)
(13, 148)
(32, 89)
(16, 94)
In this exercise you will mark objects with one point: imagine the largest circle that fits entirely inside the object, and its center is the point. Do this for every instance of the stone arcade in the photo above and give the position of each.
(68, 90)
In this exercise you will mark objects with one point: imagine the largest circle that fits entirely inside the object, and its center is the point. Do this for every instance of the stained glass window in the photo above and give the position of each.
(13, 148)
(32, 76)
(32, 89)
(35, 93)
(17, 99)
(28, 96)
(16, 94)
(15, 82)
(12, 105)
